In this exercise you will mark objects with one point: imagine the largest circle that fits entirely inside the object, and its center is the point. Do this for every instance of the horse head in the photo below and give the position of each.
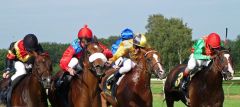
(224, 64)
(95, 57)
(154, 61)
(42, 69)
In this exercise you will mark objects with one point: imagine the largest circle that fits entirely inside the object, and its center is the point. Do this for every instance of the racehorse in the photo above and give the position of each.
(83, 88)
(134, 89)
(205, 89)
(31, 90)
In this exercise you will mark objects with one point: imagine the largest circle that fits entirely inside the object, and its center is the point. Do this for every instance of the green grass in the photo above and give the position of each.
(232, 94)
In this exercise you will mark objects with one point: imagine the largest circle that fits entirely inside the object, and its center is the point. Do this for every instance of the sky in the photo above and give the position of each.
(60, 20)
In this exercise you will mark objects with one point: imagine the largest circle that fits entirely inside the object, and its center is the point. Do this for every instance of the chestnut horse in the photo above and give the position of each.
(134, 89)
(84, 88)
(205, 89)
(31, 90)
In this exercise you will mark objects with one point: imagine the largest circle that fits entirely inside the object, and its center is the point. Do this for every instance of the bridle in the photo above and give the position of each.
(93, 68)
(222, 65)
(151, 68)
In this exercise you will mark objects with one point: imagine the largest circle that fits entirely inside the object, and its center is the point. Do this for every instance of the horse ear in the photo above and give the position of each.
(95, 39)
(229, 49)
(33, 53)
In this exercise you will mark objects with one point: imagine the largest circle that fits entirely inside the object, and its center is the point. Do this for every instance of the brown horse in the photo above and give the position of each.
(134, 89)
(205, 88)
(84, 88)
(31, 90)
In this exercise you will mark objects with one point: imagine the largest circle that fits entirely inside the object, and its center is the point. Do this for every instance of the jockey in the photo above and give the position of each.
(19, 58)
(125, 35)
(128, 49)
(202, 53)
(70, 59)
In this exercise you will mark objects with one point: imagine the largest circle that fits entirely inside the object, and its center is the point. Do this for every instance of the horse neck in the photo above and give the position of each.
(88, 76)
(35, 79)
(213, 75)
(143, 70)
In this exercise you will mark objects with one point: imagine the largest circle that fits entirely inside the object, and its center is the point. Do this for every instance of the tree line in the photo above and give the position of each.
(171, 37)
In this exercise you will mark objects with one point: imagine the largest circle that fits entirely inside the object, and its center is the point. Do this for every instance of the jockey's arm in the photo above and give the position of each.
(121, 51)
(106, 51)
(67, 56)
(11, 55)
(199, 47)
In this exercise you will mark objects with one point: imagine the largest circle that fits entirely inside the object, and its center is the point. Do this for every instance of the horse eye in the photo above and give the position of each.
(148, 59)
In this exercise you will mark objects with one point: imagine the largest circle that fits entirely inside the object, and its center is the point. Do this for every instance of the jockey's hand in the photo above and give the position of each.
(6, 74)
(108, 63)
(71, 71)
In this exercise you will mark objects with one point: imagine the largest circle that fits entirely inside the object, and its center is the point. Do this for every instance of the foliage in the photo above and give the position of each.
(55, 50)
(235, 49)
(171, 37)
(109, 41)
(3, 53)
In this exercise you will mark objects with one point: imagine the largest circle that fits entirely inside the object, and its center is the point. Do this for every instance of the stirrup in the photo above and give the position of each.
(108, 92)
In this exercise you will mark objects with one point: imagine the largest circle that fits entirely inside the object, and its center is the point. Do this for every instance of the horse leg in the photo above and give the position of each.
(103, 100)
(109, 100)
(170, 103)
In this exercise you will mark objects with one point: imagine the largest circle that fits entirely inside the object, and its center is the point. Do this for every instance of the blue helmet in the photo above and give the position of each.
(127, 34)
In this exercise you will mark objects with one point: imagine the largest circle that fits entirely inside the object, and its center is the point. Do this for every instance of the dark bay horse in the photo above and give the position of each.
(205, 89)
(84, 88)
(134, 89)
(31, 90)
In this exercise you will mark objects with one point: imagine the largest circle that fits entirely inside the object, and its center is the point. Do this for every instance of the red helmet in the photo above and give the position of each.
(85, 32)
(214, 40)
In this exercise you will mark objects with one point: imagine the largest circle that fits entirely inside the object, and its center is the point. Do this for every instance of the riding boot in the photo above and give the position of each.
(185, 83)
(114, 79)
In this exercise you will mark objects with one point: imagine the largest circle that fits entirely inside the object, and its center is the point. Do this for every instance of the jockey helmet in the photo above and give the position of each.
(85, 32)
(214, 40)
(127, 34)
(140, 40)
(30, 42)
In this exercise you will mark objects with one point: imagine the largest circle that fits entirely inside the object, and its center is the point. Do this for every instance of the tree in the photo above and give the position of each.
(3, 53)
(171, 37)
(109, 41)
(235, 50)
